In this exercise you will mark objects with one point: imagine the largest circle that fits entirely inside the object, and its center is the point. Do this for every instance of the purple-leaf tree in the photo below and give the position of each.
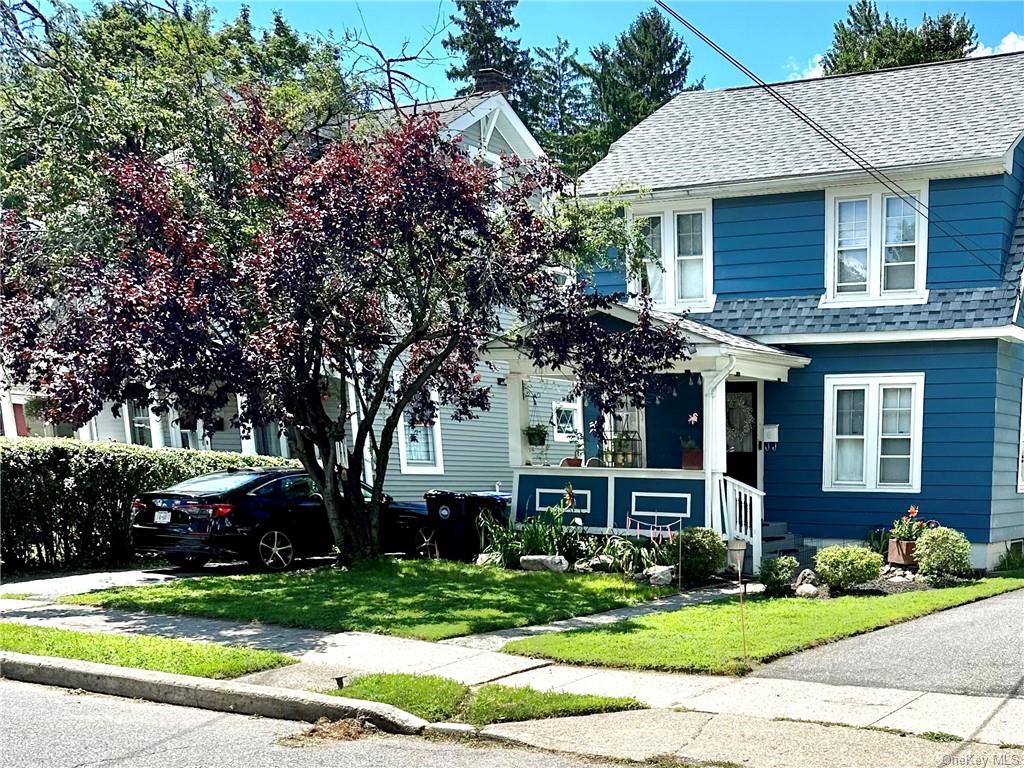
(369, 277)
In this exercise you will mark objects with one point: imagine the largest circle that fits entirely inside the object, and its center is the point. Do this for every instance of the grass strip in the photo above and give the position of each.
(423, 599)
(707, 638)
(160, 654)
(438, 699)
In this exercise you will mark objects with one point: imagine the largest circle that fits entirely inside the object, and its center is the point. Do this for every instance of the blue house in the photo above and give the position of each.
(858, 336)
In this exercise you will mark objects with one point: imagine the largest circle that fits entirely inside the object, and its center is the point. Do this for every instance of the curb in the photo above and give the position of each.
(202, 693)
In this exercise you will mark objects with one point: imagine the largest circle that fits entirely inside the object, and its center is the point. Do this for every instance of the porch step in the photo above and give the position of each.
(771, 530)
(772, 544)
(804, 556)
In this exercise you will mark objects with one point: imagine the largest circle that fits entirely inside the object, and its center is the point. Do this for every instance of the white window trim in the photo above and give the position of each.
(872, 428)
(1020, 444)
(437, 468)
(577, 408)
(668, 213)
(875, 297)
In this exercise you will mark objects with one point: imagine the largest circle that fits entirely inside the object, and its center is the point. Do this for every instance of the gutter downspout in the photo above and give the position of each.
(712, 512)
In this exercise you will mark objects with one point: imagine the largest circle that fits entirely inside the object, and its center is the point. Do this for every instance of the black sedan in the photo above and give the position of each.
(269, 516)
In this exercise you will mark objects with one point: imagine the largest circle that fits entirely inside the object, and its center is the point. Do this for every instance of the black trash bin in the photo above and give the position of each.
(456, 514)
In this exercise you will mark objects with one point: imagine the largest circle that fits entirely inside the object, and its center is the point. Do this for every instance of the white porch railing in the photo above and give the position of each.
(741, 509)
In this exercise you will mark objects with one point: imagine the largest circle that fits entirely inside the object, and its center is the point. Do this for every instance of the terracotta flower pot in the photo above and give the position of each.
(693, 458)
(902, 552)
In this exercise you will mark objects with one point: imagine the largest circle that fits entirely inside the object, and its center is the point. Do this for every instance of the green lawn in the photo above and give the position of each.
(707, 638)
(438, 699)
(424, 599)
(157, 653)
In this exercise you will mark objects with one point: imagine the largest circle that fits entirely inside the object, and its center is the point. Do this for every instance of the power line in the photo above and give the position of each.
(864, 165)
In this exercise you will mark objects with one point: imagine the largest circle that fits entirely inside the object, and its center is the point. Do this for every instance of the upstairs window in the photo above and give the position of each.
(875, 246)
(873, 427)
(679, 272)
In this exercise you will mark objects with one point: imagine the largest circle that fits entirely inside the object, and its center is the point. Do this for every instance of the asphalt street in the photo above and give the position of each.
(52, 727)
(975, 649)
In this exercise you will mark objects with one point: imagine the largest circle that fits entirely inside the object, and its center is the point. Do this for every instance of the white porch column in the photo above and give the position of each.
(156, 430)
(7, 413)
(714, 439)
(518, 415)
(248, 443)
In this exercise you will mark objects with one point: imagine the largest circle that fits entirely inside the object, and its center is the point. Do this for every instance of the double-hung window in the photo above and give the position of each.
(419, 446)
(678, 271)
(873, 428)
(875, 245)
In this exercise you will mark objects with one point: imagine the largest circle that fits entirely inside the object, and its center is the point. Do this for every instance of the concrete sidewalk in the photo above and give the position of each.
(325, 656)
(753, 742)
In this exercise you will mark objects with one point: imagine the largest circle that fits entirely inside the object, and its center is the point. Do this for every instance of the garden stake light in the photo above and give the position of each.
(737, 550)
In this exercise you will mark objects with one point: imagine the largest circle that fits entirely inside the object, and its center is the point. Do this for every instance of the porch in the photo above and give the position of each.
(691, 456)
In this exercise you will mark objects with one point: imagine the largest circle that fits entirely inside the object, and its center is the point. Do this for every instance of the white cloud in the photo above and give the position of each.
(1012, 43)
(811, 68)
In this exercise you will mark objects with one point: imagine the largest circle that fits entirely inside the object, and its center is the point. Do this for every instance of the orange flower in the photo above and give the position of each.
(912, 512)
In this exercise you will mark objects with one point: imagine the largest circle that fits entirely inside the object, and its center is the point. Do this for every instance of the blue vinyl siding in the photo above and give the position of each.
(1007, 504)
(666, 415)
(972, 221)
(769, 245)
(957, 465)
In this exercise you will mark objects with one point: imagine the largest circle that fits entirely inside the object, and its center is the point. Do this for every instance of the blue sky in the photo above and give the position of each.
(778, 40)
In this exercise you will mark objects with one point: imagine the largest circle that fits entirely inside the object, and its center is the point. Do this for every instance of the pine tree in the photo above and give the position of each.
(647, 67)
(481, 45)
(562, 104)
(867, 41)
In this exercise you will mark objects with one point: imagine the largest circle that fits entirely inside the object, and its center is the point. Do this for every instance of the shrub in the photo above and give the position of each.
(943, 552)
(1011, 560)
(545, 533)
(67, 503)
(844, 567)
(776, 575)
(703, 554)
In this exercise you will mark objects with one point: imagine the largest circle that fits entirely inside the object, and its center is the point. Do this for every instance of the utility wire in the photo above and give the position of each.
(878, 175)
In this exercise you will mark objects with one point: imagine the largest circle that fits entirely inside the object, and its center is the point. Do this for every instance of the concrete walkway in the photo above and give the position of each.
(753, 742)
(494, 641)
(325, 656)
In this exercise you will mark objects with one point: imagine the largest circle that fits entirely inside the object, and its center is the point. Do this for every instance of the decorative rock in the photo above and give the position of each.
(554, 563)
(595, 563)
(807, 576)
(661, 575)
(806, 590)
(898, 579)
(488, 558)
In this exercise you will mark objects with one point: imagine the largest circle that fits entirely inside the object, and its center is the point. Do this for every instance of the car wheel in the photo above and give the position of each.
(426, 543)
(187, 561)
(274, 550)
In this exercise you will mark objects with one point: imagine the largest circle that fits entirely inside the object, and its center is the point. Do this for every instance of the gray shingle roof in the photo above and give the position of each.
(953, 111)
(946, 309)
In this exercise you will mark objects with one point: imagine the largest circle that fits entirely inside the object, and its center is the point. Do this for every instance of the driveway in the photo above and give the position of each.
(975, 649)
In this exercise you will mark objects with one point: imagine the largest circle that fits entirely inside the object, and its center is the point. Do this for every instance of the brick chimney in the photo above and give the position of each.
(490, 79)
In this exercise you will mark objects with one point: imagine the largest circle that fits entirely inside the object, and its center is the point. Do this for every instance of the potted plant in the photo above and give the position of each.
(536, 434)
(693, 455)
(903, 537)
(621, 447)
(576, 460)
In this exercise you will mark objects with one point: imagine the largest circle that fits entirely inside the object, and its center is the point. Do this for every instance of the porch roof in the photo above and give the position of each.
(710, 347)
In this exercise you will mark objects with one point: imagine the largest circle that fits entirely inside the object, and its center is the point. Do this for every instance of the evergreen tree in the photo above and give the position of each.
(647, 67)
(867, 41)
(481, 45)
(562, 103)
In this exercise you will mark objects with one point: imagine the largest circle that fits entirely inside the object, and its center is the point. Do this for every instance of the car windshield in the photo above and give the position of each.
(218, 482)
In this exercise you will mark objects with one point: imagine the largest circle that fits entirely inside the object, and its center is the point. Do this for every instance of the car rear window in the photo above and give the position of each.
(218, 482)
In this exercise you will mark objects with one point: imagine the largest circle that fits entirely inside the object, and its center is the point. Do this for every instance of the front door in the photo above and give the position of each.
(741, 431)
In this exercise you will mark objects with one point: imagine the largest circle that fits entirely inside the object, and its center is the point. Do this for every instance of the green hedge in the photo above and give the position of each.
(67, 503)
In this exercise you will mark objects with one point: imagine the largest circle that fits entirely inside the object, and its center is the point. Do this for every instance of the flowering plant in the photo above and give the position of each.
(909, 528)
(689, 442)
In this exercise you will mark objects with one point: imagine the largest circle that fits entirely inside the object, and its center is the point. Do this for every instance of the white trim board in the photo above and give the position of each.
(634, 512)
(1005, 332)
(584, 510)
